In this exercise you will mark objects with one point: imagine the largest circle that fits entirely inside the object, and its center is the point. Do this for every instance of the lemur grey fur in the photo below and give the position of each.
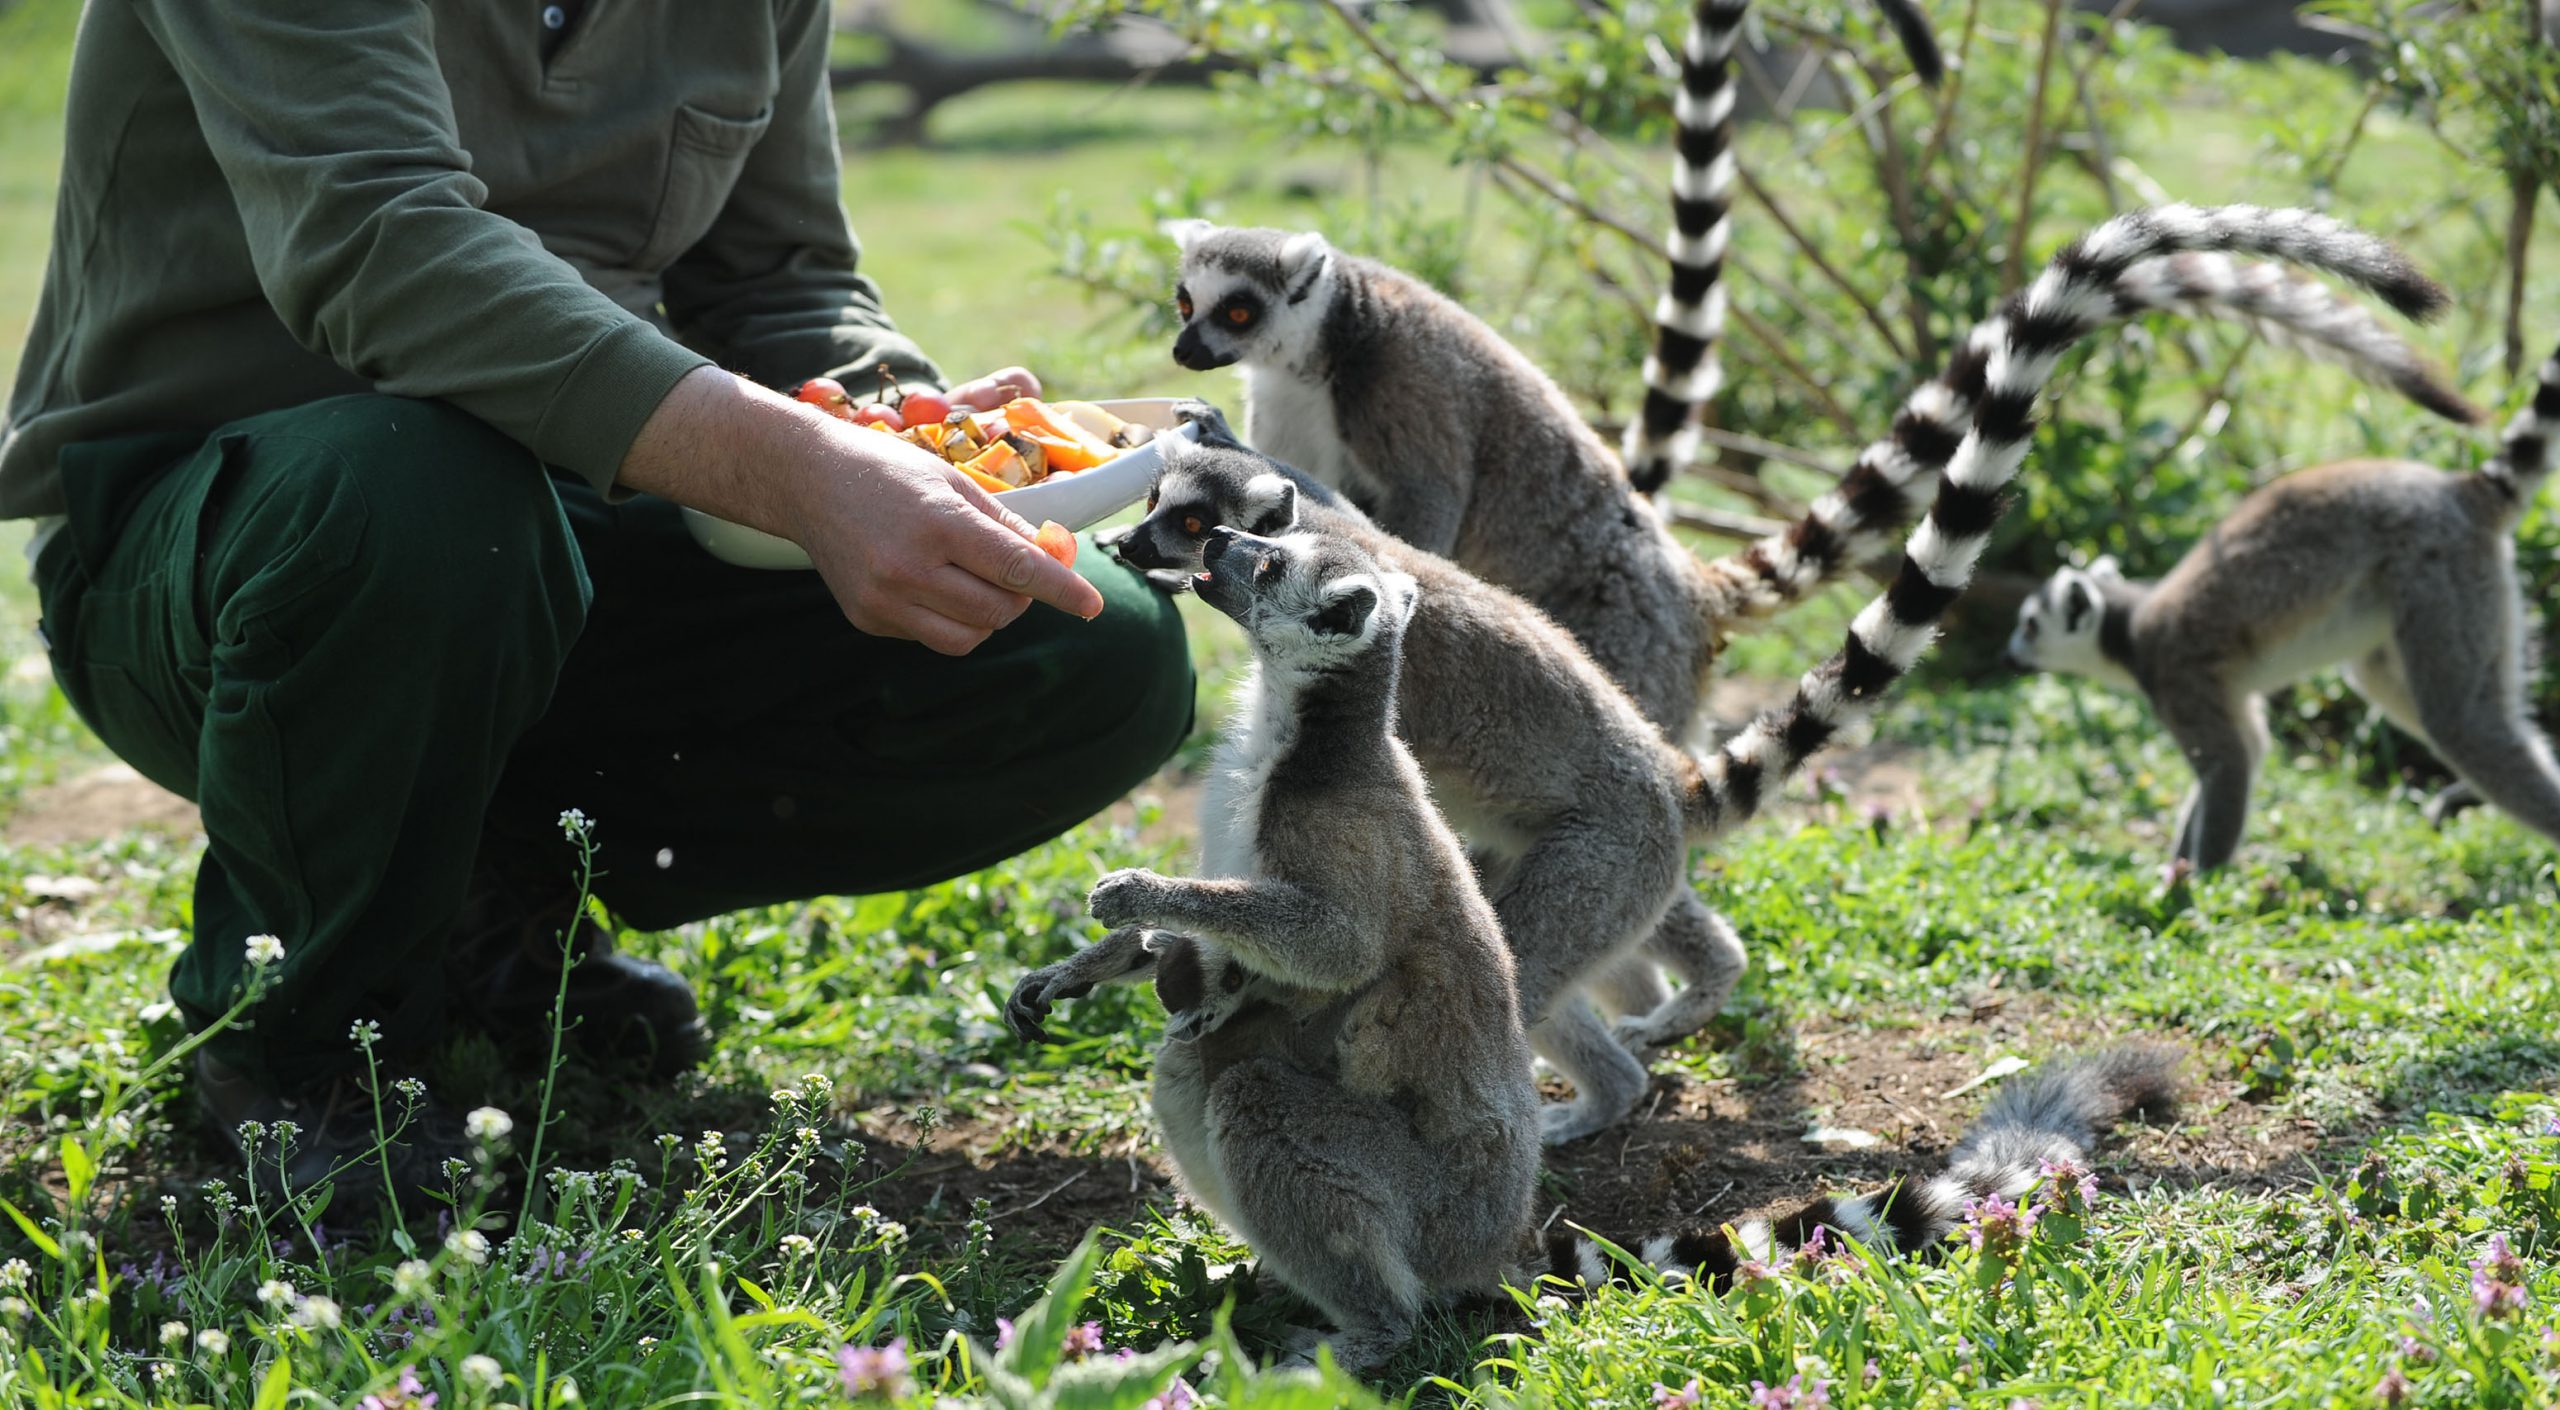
(1526, 743)
(1454, 442)
(1682, 373)
(1359, 1108)
(1572, 800)
(2400, 571)
(2038, 1128)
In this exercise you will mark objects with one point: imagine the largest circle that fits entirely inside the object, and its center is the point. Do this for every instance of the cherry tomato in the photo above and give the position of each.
(879, 414)
(1055, 540)
(924, 408)
(828, 395)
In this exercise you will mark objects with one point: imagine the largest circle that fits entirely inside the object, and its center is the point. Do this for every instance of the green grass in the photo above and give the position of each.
(2370, 1008)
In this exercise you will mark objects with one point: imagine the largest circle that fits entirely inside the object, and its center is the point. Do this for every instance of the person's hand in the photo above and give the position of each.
(909, 546)
(913, 548)
(995, 389)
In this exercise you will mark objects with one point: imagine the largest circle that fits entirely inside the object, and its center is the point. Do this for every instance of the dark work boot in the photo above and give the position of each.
(332, 1133)
(626, 1015)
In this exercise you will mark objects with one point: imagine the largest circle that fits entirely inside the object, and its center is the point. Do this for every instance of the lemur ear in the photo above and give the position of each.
(1403, 595)
(1347, 605)
(2077, 602)
(1303, 257)
(1185, 233)
(2106, 569)
(1270, 505)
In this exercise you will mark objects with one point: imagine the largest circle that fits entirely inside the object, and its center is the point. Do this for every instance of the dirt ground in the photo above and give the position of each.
(94, 806)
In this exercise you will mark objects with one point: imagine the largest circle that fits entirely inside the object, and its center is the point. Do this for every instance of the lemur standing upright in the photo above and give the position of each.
(2400, 571)
(1361, 1111)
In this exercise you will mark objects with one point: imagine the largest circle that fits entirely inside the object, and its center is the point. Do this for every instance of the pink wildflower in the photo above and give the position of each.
(2393, 1388)
(1794, 1395)
(1083, 1341)
(2068, 1186)
(873, 1370)
(410, 1394)
(2497, 1282)
(1178, 1396)
(1685, 1398)
(1997, 1227)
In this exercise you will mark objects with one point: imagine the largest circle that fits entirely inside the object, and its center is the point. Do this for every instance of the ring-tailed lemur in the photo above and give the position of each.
(1454, 442)
(2400, 571)
(1363, 1115)
(2074, 295)
(1681, 375)
(1527, 747)
(2034, 1125)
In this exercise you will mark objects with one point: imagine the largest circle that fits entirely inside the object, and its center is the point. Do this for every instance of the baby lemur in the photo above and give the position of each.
(1359, 1106)
(2400, 571)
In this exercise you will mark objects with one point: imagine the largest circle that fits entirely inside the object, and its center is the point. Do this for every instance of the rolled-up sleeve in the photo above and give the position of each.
(774, 289)
(335, 131)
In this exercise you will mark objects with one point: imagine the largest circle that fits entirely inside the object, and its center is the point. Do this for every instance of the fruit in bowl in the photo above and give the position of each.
(1072, 462)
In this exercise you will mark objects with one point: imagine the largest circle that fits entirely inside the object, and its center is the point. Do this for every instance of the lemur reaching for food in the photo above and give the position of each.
(1357, 1106)
(2399, 571)
(1529, 748)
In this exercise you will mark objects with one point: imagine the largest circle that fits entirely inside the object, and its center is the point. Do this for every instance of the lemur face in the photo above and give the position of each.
(1248, 295)
(1204, 488)
(1308, 602)
(2058, 627)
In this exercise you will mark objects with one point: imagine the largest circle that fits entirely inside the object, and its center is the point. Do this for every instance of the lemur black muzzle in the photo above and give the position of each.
(1192, 351)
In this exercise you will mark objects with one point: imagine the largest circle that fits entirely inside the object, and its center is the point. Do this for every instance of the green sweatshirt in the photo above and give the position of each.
(266, 202)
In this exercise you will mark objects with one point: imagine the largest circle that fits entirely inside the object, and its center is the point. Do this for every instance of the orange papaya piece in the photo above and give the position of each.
(1032, 415)
(1065, 456)
(1000, 462)
(986, 482)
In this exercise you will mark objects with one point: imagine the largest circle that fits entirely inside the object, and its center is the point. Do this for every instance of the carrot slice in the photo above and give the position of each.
(1055, 541)
(1000, 462)
(1063, 454)
(986, 482)
(1031, 414)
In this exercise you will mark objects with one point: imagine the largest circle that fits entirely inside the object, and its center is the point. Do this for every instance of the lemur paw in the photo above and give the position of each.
(1034, 994)
(1192, 411)
(1129, 896)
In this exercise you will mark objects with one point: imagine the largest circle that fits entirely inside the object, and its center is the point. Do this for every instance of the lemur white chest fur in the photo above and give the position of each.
(1231, 797)
(1291, 417)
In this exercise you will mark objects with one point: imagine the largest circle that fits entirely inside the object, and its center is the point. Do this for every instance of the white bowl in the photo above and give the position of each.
(1077, 501)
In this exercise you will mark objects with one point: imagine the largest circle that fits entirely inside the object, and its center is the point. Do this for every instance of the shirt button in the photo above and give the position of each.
(553, 17)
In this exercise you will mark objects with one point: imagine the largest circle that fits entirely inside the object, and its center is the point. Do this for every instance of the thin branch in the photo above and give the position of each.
(1725, 524)
(1803, 308)
(2015, 265)
(1813, 254)
(2524, 190)
(1767, 450)
(1953, 90)
(1767, 337)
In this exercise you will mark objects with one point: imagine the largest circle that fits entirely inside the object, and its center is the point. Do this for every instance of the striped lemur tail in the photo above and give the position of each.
(1849, 525)
(2524, 454)
(1682, 374)
(2077, 293)
(2050, 1117)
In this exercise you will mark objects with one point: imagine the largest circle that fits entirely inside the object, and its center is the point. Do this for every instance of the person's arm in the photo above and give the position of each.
(335, 131)
(774, 289)
(910, 546)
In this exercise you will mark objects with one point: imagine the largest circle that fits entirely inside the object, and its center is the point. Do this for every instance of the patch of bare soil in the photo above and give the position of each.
(97, 805)
(1697, 1153)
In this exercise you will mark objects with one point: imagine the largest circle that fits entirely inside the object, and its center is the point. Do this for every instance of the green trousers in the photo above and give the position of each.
(370, 636)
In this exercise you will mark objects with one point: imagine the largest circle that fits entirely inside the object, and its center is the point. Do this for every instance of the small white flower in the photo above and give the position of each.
(488, 1124)
(318, 1313)
(173, 1333)
(798, 1246)
(76, 1245)
(484, 1372)
(15, 1273)
(469, 1245)
(565, 1390)
(264, 950)
(213, 1343)
(14, 1309)
(412, 1278)
(275, 1293)
(572, 822)
(364, 1033)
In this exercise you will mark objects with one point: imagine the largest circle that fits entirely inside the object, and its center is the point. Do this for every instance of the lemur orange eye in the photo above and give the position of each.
(1191, 525)
(1182, 306)
(1239, 315)
(1151, 500)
